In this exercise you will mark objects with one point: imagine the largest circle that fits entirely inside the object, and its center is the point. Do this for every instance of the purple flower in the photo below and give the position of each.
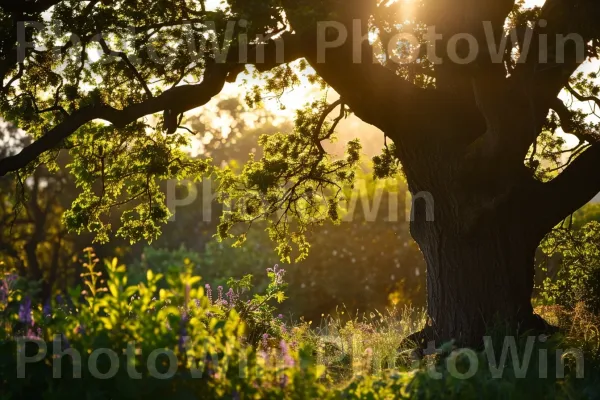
(208, 293)
(182, 338)
(220, 290)
(47, 309)
(279, 273)
(32, 335)
(184, 315)
(265, 341)
(25, 312)
(231, 296)
(288, 360)
(279, 278)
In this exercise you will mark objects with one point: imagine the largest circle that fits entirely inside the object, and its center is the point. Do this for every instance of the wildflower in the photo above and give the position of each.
(208, 293)
(47, 309)
(182, 338)
(25, 312)
(279, 273)
(32, 335)
(288, 360)
(279, 277)
(265, 341)
(220, 290)
(280, 316)
(231, 296)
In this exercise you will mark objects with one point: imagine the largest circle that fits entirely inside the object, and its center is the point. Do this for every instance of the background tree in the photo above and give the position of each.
(465, 133)
(33, 239)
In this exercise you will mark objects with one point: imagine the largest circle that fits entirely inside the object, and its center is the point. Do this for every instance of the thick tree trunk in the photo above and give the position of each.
(480, 251)
(479, 281)
(479, 246)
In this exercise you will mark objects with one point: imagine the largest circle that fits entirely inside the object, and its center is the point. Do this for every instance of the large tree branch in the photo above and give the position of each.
(178, 99)
(373, 92)
(567, 26)
(572, 189)
(175, 100)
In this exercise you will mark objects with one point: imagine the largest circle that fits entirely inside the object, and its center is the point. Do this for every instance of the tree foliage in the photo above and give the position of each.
(158, 62)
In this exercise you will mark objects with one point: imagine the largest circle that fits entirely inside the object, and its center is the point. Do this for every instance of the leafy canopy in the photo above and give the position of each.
(111, 81)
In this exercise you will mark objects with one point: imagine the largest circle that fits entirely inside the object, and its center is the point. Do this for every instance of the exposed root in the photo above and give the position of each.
(419, 341)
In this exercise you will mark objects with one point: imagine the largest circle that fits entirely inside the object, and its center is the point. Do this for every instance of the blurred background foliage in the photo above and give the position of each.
(343, 269)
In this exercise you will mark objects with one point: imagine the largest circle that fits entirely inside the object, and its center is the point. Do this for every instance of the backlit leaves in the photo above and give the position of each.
(294, 185)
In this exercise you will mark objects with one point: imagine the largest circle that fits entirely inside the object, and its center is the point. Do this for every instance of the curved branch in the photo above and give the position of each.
(178, 99)
(572, 189)
(581, 97)
(565, 115)
(538, 80)
(127, 62)
(325, 113)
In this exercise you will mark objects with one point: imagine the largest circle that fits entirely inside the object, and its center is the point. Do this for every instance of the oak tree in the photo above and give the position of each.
(472, 123)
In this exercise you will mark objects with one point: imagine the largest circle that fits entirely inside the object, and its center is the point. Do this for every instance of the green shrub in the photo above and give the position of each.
(210, 335)
(228, 344)
(578, 278)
